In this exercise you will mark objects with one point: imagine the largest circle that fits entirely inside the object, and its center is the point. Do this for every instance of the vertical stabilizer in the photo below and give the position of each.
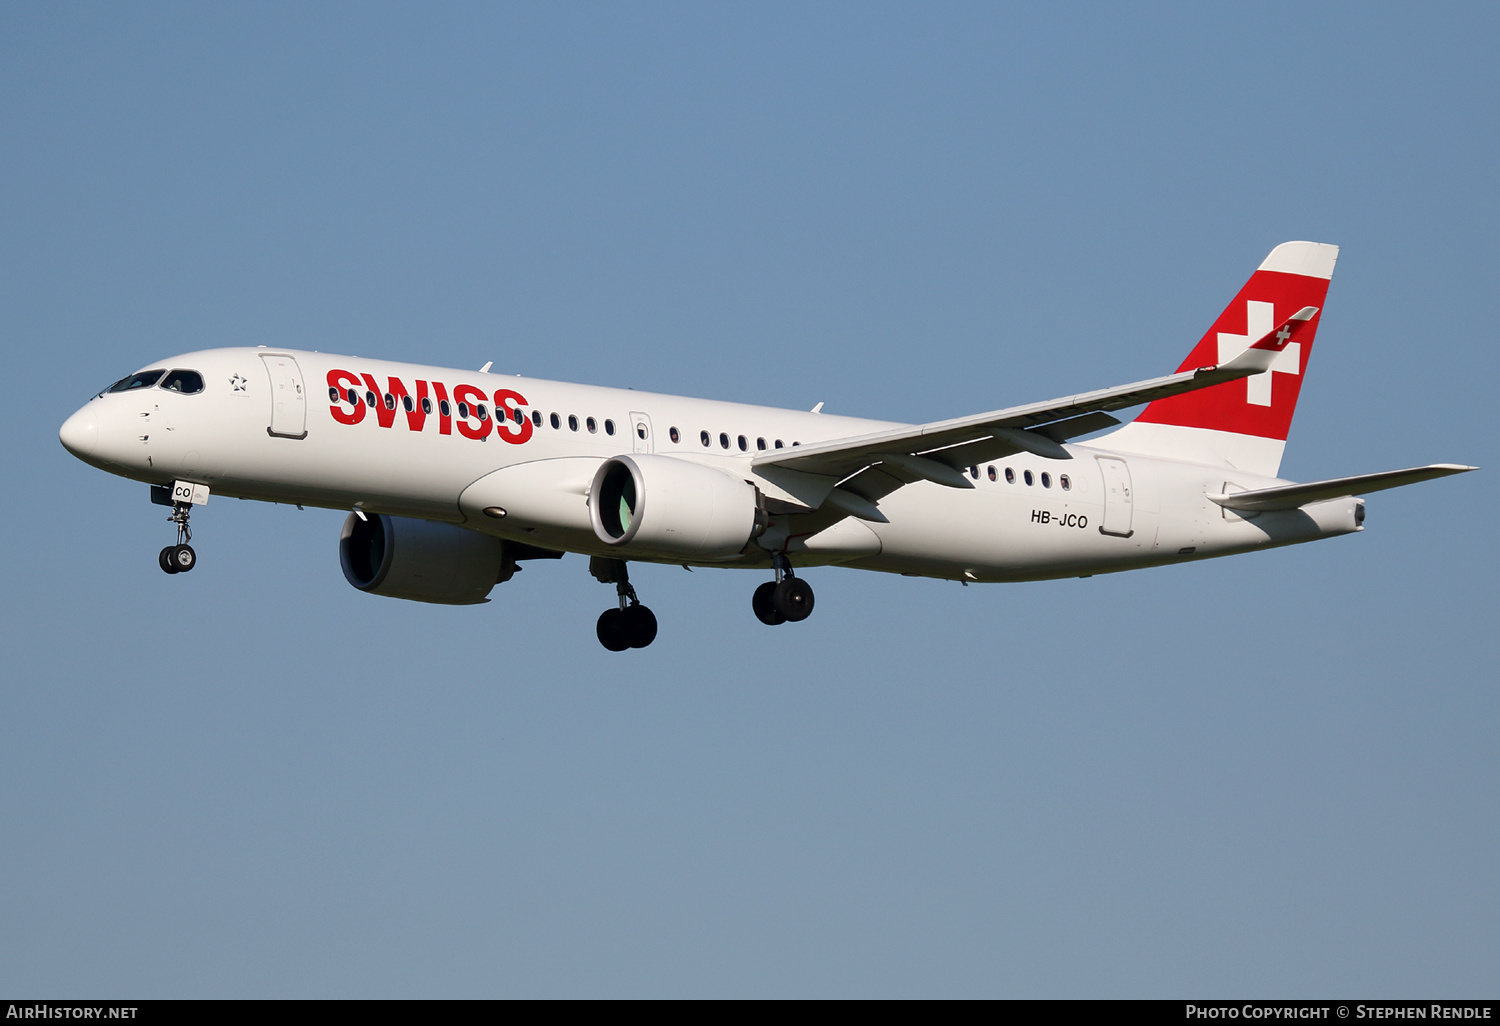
(1241, 424)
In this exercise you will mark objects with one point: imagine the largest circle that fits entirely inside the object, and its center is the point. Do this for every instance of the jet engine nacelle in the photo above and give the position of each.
(663, 506)
(421, 560)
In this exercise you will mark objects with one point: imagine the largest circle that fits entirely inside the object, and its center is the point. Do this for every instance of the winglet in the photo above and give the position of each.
(1264, 351)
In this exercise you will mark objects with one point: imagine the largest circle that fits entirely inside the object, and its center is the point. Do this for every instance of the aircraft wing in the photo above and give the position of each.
(936, 452)
(1298, 495)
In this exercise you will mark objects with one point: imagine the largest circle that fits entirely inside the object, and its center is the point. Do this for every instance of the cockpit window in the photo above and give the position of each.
(185, 381)
(145, 379)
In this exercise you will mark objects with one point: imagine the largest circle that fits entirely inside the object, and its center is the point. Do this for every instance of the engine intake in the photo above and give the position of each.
(421, 560)
(663, 506)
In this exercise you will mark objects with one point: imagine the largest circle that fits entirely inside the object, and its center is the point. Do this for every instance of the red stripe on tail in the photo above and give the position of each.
(1262, 404)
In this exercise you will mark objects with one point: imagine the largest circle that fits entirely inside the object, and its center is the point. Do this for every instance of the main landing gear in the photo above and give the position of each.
(631, 625)
(788, 599)
(179, 558)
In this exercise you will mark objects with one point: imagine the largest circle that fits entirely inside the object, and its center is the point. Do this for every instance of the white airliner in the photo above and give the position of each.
(453, 477)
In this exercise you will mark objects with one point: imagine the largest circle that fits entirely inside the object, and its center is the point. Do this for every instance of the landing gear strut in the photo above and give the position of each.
(630, 625)
(179, 558)
(787, 599)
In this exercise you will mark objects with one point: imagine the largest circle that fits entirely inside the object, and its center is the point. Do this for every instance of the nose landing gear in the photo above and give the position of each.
(788, 599)
(630, 625)
(179, 558)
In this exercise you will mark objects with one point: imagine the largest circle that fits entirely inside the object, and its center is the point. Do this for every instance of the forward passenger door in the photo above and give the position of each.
(288, 397)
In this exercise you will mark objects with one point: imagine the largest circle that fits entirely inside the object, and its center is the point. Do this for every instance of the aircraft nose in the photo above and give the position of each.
(83, 434)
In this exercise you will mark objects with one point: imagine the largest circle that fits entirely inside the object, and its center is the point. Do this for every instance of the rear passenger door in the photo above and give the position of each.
(1118, 503)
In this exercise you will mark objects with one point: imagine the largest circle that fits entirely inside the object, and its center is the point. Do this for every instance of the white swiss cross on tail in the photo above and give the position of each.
(1260, 318)
(1244, 424)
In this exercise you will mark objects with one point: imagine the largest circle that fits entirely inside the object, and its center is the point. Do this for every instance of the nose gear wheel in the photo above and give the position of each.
(177, 559)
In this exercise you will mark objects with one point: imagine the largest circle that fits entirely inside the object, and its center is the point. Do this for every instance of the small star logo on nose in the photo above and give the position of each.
(239, 383)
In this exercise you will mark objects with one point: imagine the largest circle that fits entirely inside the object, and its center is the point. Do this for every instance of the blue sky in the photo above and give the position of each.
(1271, 774)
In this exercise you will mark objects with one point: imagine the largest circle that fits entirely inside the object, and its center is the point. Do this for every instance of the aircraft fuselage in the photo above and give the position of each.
(1025, 518)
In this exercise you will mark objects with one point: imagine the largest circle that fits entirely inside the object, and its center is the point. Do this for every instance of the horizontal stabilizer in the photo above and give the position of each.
(1298, 495)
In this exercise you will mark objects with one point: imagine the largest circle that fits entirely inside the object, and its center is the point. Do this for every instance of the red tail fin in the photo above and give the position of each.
(1242, 423)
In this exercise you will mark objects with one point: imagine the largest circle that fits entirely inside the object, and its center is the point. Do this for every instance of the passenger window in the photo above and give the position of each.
(592, 425)
(353, 399)
(463, 409)
(640, 431)
(744, 445)
(572, 422)
(426, 405)
(609, 427)
(536, 417)
(484, 413)
(333, 394)
(390, 401)
(723, 440)
(673, 434)
(370, 399)
(1046, 480)
(443, 407)
(518, 416)
(556, 421)
(703, 437)
(779, 445)
(994, 476)
(1010, 476)
(1064, 482)
(974, 473)
(760, 443)
(1028, 477)
(407, 403)
(145, 379)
